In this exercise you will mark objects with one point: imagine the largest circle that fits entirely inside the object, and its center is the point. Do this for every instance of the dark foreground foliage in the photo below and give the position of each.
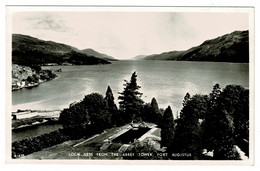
(91, 115)
(33, 144)
(216, 122)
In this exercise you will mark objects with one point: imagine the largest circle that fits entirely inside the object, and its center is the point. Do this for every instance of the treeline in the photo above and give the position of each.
(90, 116)
(96, 113)
(39, 57)
(33, 144)
(215, 122)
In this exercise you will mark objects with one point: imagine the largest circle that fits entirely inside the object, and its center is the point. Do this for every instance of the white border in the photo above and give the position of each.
(163, 3)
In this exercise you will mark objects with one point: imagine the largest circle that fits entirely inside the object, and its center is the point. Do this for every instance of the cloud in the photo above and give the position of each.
(46, 21)
(45, 26)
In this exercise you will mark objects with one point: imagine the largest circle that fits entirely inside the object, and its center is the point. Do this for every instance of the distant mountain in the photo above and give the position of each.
(27, 50)
(139, 57)
(165, 56)
(233, 47)
(92, 52)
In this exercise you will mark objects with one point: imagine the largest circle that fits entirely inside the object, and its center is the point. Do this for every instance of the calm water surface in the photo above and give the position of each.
(167, 81)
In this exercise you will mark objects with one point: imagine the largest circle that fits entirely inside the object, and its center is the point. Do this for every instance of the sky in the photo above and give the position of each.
(125, 35)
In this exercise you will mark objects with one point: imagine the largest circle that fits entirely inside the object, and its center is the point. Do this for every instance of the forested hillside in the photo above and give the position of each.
(233, 47)
(27, 50)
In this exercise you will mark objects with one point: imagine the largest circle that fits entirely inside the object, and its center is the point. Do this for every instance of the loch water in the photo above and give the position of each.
(167, 81)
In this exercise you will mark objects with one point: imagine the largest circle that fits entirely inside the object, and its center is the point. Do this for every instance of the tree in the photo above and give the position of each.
(213, 96)
(188, 131)
(86, 117)
(241, 122)
(184, 103)
(225, 120)
(236, 102)
(232, 113)
(112, 108)
(211, 118)
(37, 68)
(154, 105)
(130, 100)
(74, 120)
(151, 113)
(156, 115)
(195, 108)
(97, 109)
(146, 112)
(186, 99)
(167, 130)
(110, 98)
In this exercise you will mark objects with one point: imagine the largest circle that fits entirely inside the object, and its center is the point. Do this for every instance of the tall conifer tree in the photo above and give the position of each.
(156, 114)
(154, 105)
(211, 118)
(110, 99)
(112, 108)
(167, 131)
(130, 100)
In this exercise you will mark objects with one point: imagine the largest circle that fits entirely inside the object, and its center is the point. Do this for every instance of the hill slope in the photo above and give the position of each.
(233, 47)
(173, 55)
(92, 52)
(139, 57)
(27, 50)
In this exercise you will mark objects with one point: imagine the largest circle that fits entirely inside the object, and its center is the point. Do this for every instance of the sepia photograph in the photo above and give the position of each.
(142, 84)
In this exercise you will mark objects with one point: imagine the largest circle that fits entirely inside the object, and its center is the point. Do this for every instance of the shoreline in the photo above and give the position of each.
(28, 118)
(29, 125)
(34, 84)
(30, 76)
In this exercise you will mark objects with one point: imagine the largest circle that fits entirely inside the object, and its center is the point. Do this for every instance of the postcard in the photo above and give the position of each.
(130, 85)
